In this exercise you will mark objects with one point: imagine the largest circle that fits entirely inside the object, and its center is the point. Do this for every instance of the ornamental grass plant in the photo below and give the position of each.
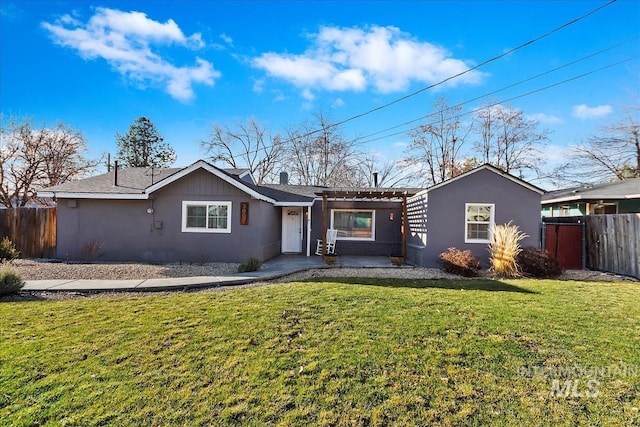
(10, 281)
(504, 249)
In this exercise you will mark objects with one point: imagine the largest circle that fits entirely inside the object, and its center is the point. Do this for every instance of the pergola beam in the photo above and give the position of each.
(366, 195)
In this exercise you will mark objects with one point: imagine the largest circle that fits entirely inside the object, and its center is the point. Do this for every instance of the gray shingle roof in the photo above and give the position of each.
(130, 181)
(134, 181)
(626, 189)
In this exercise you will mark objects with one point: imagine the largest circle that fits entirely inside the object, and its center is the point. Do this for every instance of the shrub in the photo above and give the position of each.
(10, 281)
(249, 264)
(90, 250)
(537, 263)
(462, 263)
(504, 249)
(8, 250)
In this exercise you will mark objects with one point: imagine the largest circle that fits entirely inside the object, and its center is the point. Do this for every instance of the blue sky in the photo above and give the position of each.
(97, 66)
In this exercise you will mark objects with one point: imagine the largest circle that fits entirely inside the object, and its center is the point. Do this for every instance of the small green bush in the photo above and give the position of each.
(8, 250)
(10, 281)
(249, 264)
(534, 262)
(462, 263)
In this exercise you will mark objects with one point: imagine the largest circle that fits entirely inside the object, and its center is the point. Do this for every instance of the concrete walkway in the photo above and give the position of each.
(279, 266)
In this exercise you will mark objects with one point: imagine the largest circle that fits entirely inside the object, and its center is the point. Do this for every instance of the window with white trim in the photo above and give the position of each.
(479, 219)
(206, 217)
(354, 224)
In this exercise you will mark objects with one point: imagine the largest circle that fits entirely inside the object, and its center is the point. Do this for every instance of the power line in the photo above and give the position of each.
(514, 97)
(568, 64)
(482, 64)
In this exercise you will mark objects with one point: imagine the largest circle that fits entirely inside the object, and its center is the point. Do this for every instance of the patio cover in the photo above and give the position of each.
(368, 195)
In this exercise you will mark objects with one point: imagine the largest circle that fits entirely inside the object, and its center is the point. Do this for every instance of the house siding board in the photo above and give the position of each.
(446, 215)
(129, 233)
(388, 234)
(629, 206)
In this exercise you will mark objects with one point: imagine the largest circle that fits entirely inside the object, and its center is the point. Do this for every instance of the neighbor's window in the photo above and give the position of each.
(478, 222)
(206, 217)
(354, 224)
(605, 208)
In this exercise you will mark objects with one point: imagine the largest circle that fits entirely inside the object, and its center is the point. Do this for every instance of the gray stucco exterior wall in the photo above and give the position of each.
(444, 210)
(388, 234)
(129, 233)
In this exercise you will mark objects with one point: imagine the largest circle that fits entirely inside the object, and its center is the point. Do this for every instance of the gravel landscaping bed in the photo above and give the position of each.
(31, 269)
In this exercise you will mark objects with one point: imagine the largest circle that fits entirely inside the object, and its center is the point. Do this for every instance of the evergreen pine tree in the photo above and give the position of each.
(143, 146)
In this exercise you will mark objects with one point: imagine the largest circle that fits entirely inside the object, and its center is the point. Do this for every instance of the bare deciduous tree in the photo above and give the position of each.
(436, 146)
(34, 158)
(390, 173)
(320, 155)
(314, 153)
(614, 154)
(246, 146)
(508, 140)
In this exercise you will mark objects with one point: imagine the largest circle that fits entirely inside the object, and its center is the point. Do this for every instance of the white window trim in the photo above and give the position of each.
(186, 229)
(358, 239)
(491, 222)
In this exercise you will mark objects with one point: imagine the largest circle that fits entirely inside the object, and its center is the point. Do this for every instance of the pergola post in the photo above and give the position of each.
(404, 226)
(323, 237)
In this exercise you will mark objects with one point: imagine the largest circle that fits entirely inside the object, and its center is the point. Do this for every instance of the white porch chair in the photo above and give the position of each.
(332, 235)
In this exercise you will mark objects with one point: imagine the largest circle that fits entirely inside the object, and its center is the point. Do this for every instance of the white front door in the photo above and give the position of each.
(291, 230)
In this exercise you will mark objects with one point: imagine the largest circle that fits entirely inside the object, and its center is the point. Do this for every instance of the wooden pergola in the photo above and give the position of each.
(366, 195)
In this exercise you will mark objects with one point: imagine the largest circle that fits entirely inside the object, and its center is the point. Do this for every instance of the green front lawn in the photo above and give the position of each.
(329, 352)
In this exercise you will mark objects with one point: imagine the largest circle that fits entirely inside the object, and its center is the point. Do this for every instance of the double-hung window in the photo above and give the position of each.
(479, 219)
(354, 224)
(206, 217)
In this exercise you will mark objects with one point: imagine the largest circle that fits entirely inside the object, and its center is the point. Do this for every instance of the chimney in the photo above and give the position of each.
(284, 178)
(115, 173)
(375, 179)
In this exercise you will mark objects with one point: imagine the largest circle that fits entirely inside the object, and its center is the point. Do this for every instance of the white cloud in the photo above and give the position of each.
(227, 39)
(339, 102)
(556, 154)
(353, 59)
(306, 94)
(278, 96)
(545, 118)
(585, 112)
(258, 85)
(125, 41)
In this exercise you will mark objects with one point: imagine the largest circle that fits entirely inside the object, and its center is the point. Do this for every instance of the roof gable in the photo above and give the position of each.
(228, 178)
(490, 168)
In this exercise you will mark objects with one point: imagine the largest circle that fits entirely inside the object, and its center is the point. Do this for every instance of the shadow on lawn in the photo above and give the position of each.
(463, 284)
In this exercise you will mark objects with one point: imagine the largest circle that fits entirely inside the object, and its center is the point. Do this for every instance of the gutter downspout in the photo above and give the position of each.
(309, 230)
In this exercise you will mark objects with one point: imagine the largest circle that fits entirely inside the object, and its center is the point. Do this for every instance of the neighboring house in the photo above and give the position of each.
(611, 198)
(461, 211)
(204, 213)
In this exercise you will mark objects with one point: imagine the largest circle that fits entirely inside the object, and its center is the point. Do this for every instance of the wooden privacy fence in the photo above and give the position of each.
(613, 243)
(32, 230)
